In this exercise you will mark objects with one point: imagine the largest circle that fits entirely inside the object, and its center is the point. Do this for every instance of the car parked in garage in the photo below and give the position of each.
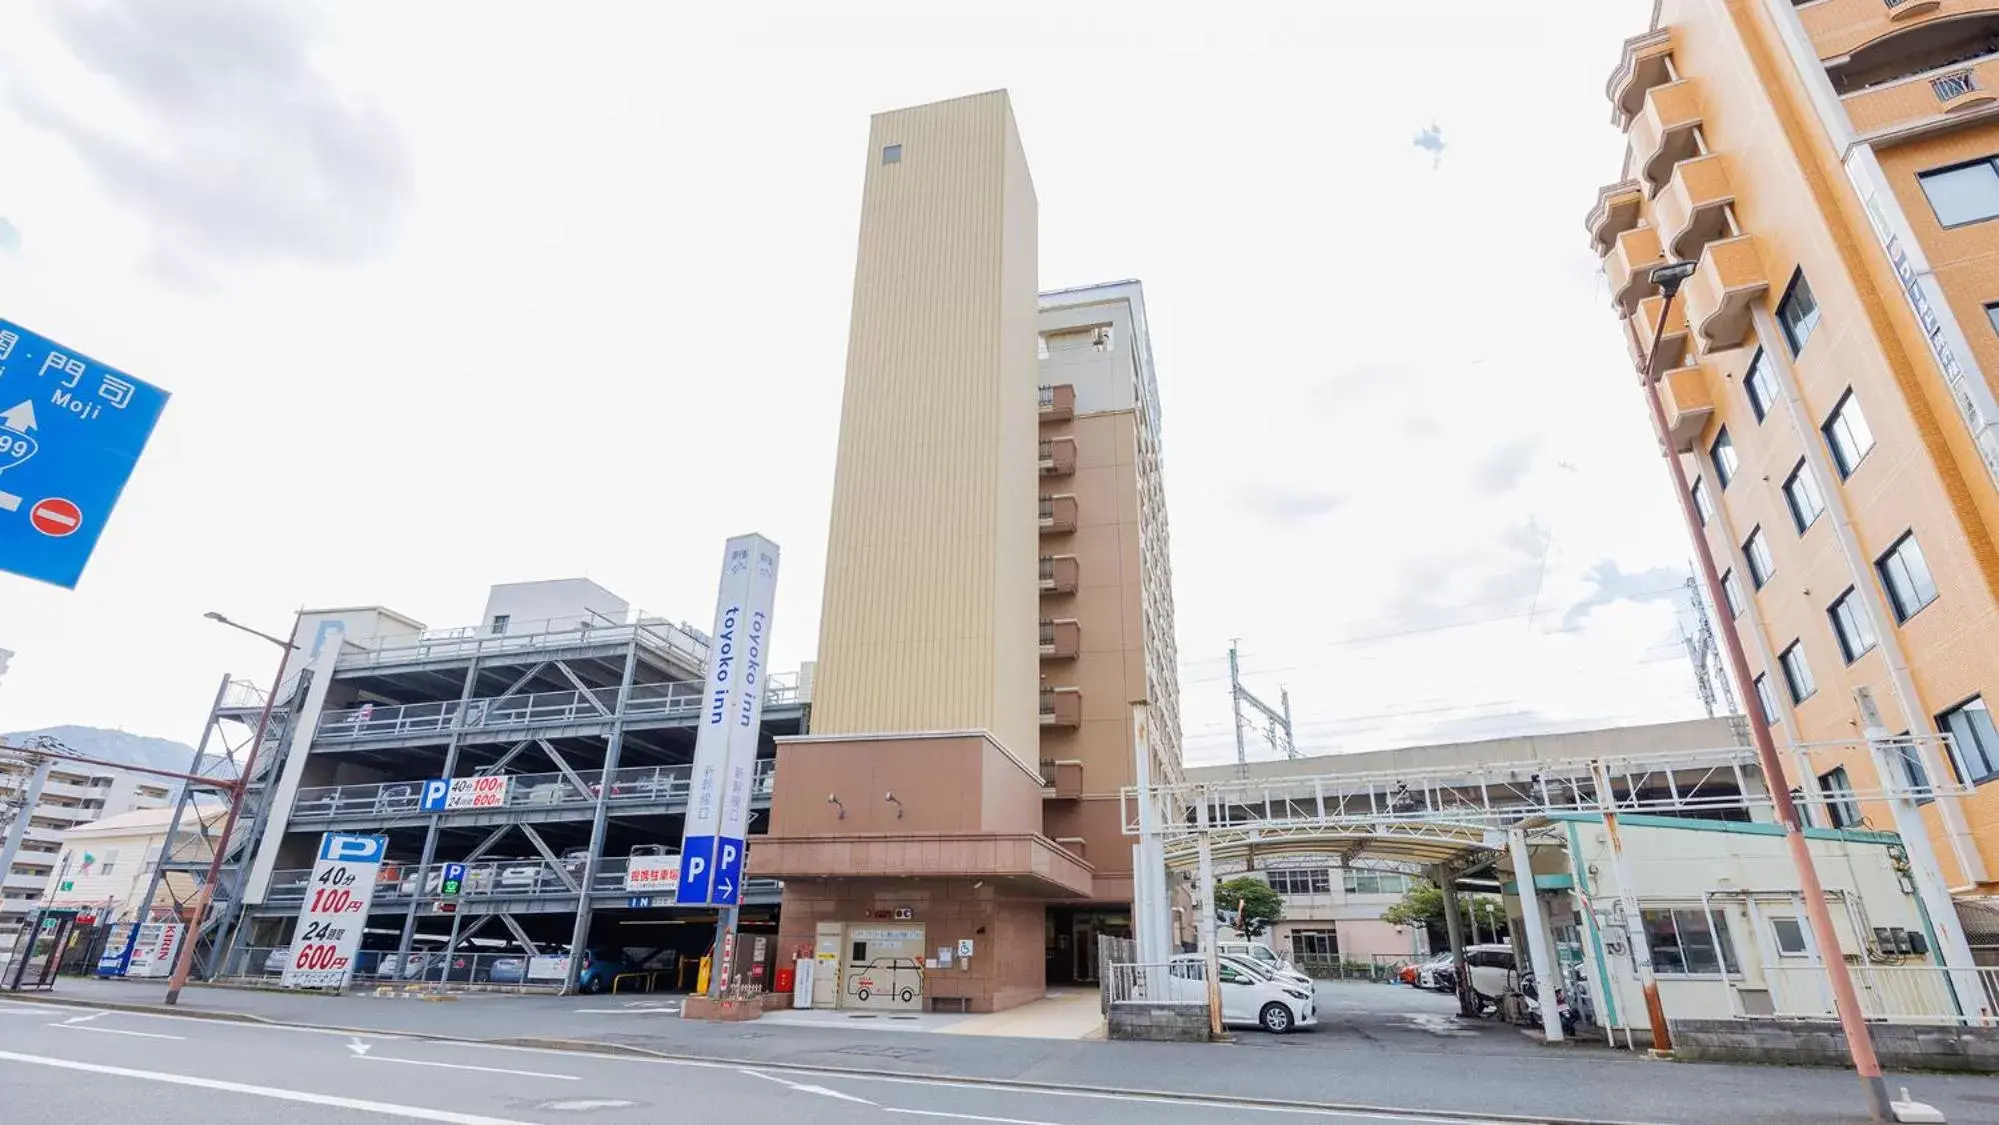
(1492, 969)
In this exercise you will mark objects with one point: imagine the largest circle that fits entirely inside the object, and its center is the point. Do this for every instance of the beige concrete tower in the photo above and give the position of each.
(930, 597)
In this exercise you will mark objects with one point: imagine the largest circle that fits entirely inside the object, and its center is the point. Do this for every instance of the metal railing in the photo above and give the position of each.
(1914, 994)
(1956, 84)
(527, 709)
(633, 784)
(1047, 568)
(1044, 395)
(655, 634)
(1047, 508)
(377, 967)
(1152, 984)
(490, 879)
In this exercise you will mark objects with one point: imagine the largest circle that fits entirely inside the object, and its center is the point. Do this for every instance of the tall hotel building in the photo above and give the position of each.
(997, 633)
(1833, 168)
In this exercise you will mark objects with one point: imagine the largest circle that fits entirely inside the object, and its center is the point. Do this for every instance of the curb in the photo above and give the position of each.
(622, 1050)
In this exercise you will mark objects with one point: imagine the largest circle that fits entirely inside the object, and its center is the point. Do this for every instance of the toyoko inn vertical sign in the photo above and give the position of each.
(725, 743)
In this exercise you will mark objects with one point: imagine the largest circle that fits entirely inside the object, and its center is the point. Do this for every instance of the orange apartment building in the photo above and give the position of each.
(1833, 168)
(997, 630)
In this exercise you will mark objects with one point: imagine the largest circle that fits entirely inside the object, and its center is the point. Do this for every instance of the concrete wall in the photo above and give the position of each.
(1822, 1043)
(1163, 1023)
(1008, 965)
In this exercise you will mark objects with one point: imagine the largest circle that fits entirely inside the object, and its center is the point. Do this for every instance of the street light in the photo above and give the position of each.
(1846, 1001)
(238, 789)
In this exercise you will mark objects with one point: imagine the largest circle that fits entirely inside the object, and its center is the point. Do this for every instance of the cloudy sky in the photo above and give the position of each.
(463, 292)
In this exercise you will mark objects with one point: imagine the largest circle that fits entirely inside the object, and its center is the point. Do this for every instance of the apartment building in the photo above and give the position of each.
(1832, 170)
(563, 724)
(70, 797)
(106, 866)
(955, 808)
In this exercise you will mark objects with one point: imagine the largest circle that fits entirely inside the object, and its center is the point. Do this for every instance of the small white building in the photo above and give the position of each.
(104, 866)
(72, 795)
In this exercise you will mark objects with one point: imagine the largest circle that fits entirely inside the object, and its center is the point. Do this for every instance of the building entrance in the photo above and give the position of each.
(1072, 934)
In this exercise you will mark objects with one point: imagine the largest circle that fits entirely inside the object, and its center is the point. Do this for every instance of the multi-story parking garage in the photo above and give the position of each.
(568, 737)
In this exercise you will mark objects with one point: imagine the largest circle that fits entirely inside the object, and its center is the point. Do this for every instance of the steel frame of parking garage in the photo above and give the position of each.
(605, 715)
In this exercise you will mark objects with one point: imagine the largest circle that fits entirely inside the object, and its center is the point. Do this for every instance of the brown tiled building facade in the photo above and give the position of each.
(998, 613)
(1833, 168)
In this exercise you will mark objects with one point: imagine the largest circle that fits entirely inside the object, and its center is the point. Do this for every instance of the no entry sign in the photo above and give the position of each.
(55, 516)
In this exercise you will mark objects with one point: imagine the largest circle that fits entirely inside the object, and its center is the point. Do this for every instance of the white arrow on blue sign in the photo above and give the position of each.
(71, 430)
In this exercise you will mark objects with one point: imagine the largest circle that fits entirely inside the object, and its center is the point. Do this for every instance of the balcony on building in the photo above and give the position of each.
(1062, 779)
(1837, 28)
(1628, 267)
(1672, 343)
(1061, 638)
(1058, 513)
(1663, 133)
(1693, 210)
(1722, 292)
(1059, 574)
(1642, 65)
(1058, 456)
(1921, 74)
(1057, 401)
(1689, 404)
(1061, 707)
(1615, 211)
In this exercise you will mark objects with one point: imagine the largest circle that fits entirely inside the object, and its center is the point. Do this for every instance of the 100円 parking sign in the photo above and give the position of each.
(335, 911)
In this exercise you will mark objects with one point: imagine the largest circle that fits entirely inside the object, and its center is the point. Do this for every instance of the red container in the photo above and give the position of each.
(786, 978)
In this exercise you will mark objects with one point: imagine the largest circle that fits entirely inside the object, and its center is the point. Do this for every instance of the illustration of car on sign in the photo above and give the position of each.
(899, 977)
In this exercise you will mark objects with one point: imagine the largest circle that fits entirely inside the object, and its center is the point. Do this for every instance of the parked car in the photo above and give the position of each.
(1491, 969)
(507, 970)
(1409, 973)
(1423, 974)
(276, 960)
(600, 966)
(1260, 954)
(1248, 999)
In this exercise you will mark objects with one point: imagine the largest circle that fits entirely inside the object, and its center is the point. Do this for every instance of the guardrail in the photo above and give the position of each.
(1915, 994)
(1151, 984)
(526, 709)
(656, 634)
(632, 785)
(490, 879)
(376, 967)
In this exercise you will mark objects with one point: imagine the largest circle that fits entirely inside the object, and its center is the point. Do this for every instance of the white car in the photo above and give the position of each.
(1266, 958)
(1491, 968)
(1250, 998)
(1426, 973)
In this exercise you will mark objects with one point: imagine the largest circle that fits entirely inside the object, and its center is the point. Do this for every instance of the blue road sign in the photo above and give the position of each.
(638, 902)
(71, 429)
(697, 866)
(728, 885)
(452, 879)
(435, 792)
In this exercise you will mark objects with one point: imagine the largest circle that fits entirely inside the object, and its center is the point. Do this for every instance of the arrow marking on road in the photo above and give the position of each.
(804, 1088)
(20, 417)
(84, 1019)
(359, 1048)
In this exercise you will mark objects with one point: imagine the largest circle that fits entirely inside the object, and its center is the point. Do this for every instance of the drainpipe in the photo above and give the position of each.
(1860, 575)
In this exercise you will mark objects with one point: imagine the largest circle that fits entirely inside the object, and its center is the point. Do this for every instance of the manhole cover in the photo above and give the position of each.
(880, 1052)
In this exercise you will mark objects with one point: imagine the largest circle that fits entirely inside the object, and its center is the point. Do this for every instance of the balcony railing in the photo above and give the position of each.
(1061, 707)
(654, 634)
(1058, 574)
(486, 879)
(1057, 513)
(632, 785)
(1692, 210)
(1663, 132)
(1689, 404)
(527, 709)
(1057, 401)
(1642, 65)
(1672, 341)
(1057, 456)
(1723, 291)
(1061, 639)
(1923, 97)
(1628, 267)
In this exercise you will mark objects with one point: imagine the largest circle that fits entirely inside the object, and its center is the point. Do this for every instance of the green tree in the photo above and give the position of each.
(1260, 906)
(1484, 916)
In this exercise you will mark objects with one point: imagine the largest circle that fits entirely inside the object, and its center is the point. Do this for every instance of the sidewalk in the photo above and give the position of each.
(1486, 1075)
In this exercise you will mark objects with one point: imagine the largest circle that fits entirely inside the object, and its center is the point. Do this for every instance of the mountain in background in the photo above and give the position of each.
(116, 746)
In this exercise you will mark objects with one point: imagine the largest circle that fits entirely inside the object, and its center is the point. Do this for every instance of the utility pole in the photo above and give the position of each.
(1277, 720)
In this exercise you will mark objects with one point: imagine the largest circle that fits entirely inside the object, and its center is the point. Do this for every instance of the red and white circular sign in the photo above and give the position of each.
(56, 517)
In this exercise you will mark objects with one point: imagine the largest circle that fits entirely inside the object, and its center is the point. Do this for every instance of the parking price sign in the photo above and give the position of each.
(336, 908)
(71, 431)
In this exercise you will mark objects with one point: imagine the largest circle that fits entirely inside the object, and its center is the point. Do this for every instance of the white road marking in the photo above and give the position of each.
(83, 1019)
(588, 1103)
(964, 1116)
(388, 1109)
(461, 1066)
(355, 1045)
(804, 1088)
(113, 1031)
(624, 1011)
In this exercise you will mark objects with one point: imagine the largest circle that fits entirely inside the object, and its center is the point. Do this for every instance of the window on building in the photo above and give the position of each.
(1301, 881)
(1797, 673)
(1910, 756)
(1756, 381)
(1963, 193)
(1850, 625)
(1992, 315)
(1363, 882)
(1798, 312)
(1731, 591)
(1723, 454)
(1767, 700)
(1703, 503)
(1840, 806)
(1790, 935)
(1801, 494)
(1686, 943)
(109, 863)
(500, 622)
(1847, 433)
(1970, 725)
(1906, 575)
(892, 154)
(1314, 945)
(1757, 550)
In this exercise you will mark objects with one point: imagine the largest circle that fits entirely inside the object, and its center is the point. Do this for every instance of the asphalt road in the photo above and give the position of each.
(62, 1065)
